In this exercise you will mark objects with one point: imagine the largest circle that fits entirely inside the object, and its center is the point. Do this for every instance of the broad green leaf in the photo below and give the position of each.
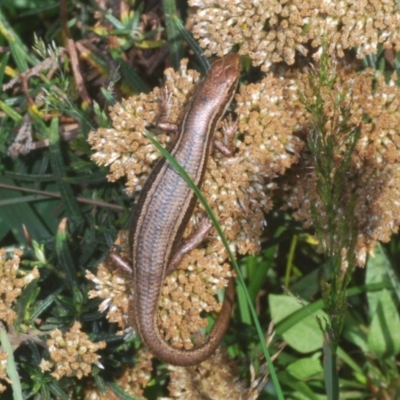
(308, 285)
(306, 335)
(355, 332)
(305, 368)
(301, 389)
(384, 337)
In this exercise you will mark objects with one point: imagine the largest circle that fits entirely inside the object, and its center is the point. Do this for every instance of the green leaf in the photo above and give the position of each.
(302, 391)
(4, 63)
(19, 51)
(383, 337)
(56, 389)
(245, 314)
(43, 305)
(198, 51)
(11, 366)
(4, 228)
(258, 269)
(150, 44)
(330, 371)
(305, 336)
(309, 285)
(175, 41)
(67, 195)
(116, 389)
(101, 384)
(26, 300)
(305, 368)
(131, 79)
(349, 361)
(355, 332)
(376, 272)
(16, 213)
(9, 111)
(114, 21)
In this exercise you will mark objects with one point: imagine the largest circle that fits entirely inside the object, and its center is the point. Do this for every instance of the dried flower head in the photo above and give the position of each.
(216, 378)
(124, 148)
(133, 381)
(113, 288)
(190, 291)
(366, 104)
(71, 353)
(12, 281)
(270, 31)
(356, 25)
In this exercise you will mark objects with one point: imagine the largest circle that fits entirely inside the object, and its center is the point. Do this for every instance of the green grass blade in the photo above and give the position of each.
(257, 271)
(245, 313)
(19, 51)
(300, 387)
(131, 79)
(175, 41)
(330, 371)
(11, 367)
(56, 159)
(3, 65)
(16, 212)
(349, 361)
(198, 51)
(65, 259)
(55, 388)
(10, 112)
(116, 389)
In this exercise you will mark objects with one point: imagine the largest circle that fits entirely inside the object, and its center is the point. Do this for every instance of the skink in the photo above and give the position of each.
(164, 209)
